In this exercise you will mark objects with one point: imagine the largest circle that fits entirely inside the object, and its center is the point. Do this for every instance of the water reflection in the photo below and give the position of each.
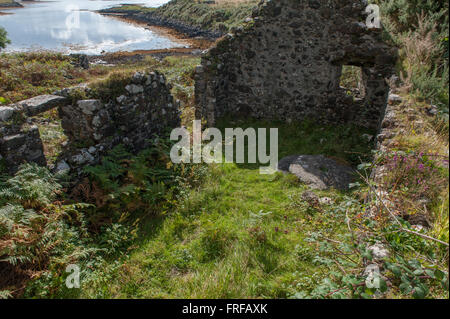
(70, 27)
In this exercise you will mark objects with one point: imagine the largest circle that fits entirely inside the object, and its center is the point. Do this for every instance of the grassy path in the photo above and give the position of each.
(240, 234)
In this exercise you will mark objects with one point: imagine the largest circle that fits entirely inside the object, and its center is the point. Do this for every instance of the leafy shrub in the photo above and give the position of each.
(39, 235)
(3, 39)
(411, 269)
(33, 186)
(420, 29)
(143, 182)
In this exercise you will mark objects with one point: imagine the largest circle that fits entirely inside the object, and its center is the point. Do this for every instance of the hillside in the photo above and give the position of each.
(9, 4)
(194, 18)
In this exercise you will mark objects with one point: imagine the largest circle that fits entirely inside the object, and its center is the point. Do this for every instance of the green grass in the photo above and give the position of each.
(128, 8)
(238, 235)
(6, 1)
(52, 135)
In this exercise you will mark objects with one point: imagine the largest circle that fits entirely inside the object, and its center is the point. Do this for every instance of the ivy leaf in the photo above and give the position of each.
(405, 288)
(396, 271)
(430, 273)
(383, 285)
(367, 254)
(419, 293)
(439, 274)
(405, 279)
(418, 272)
(366, 296)
(414, 264)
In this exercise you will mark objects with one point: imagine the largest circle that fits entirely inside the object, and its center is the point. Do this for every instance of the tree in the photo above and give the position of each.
(3, 39)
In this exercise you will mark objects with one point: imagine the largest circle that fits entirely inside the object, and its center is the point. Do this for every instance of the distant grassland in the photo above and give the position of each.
(220, 16)
(226, 13)
(24, 75)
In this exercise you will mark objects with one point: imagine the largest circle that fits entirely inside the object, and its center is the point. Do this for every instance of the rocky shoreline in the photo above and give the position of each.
(12, 4)
(153, 19)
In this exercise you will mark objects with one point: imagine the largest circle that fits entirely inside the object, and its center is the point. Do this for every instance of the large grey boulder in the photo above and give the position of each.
(41, 103)
(318, 171)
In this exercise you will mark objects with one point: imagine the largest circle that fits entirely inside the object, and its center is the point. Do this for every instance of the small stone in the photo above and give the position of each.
(6, 113)
(62, 168)
(432, 110)
(326, 201)
(78, 159)
(199, 69)
(379, 251)
(138, 78)
(418, 227)
(394, 99)
(96, 121)
(121, 99)
(82, 158)
(89, 106)
(92, 149)
(134, 89)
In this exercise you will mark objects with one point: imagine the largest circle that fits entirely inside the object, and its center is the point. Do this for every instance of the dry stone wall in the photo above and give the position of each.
(286, 63)
(93, 126)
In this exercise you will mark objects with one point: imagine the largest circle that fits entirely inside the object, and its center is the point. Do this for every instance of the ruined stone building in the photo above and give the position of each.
(286, 64)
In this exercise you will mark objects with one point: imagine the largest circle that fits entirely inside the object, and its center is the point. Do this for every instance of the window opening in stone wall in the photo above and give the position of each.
(351, 81)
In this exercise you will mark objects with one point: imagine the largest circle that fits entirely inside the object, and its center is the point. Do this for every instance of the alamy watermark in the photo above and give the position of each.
(373, 19)
(73, 18)
(373, 276)
(260, 146)
(73, 279)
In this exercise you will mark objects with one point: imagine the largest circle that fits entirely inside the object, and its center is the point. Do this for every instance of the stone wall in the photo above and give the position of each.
(93, 126)
(20, 140)
(285, 63)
